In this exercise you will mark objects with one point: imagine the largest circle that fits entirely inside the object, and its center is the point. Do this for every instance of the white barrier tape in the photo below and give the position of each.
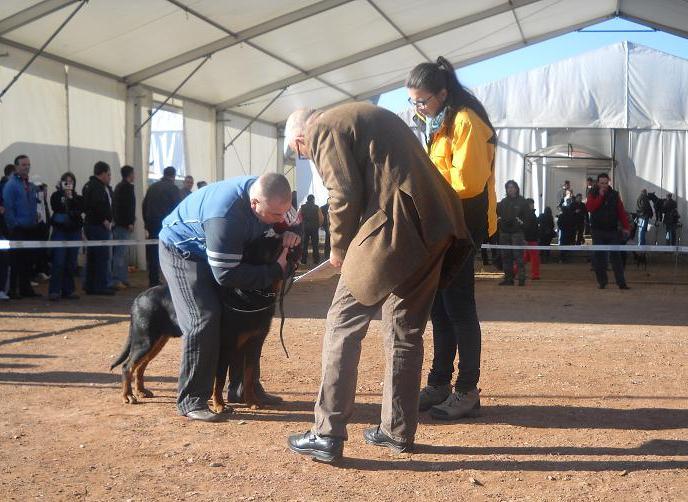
(71, 244)
(597, 247)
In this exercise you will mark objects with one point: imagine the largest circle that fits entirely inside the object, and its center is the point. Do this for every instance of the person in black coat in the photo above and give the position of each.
(67, 224)
(124, 217)
(546, 231)
(98, 226)
(161, 198)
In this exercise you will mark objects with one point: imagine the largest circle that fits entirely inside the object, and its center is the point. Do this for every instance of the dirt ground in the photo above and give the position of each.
(584, 395)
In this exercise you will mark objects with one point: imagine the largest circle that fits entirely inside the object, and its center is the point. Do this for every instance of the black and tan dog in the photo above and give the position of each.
(246, 320)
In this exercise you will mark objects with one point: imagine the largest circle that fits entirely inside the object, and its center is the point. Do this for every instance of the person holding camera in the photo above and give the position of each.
(607, 214)
(67, 223)
(512, 213)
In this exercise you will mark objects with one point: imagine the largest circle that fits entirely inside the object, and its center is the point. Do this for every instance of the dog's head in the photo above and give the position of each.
(261, 251)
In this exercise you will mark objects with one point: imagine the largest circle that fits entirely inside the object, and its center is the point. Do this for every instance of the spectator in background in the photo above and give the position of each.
(312, 219)
(607, 214)
(530, 233)
(98, 208)
(580, 218)
(512, 212)
(670, 219)
(201, 184)
(644, 212)
(4, 234)
(161, 198)
(546, 231)
(187, 186)
(566, 221)
(41, 265)
(124, 217)
(21, 218)
(564, 192)
(67, 223)
(326, 227)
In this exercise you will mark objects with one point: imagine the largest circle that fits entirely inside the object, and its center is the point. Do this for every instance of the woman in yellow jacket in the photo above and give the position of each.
(461, 143)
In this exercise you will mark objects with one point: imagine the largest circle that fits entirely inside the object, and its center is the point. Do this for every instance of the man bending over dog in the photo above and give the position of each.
(201, 246)
(396, 228)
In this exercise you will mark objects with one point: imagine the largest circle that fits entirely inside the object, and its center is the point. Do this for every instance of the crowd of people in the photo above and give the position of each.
(99, 212)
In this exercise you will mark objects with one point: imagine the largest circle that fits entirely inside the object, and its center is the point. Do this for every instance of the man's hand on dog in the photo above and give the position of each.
(289, 240)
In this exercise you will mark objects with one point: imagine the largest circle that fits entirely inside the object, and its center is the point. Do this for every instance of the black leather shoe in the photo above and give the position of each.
(623, 286)
(376, 437)
(322, 448)
(204, 415)
(601, 285)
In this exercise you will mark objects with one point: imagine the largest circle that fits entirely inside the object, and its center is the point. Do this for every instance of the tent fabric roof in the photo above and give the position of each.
(621, 86)
(569, 156)
(322, 51)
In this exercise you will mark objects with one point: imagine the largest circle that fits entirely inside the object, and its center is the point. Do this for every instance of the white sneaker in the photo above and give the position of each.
(34, 284)
(43, 277)
(3, 296)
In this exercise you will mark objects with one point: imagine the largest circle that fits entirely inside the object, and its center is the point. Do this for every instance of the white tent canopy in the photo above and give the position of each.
(321, 52)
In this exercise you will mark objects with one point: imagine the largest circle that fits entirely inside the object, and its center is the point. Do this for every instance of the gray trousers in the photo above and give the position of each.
(405, 313)
(509, 255)
(196, 298)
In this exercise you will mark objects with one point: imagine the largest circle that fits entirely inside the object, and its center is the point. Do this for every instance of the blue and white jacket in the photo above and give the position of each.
(20, 201)
(214, 224)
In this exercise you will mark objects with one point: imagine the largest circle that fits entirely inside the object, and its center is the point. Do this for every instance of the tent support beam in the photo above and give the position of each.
(518, 23)
(252, 45)
(232, 39)
(173, 94)
(498, 52)
(374, 51)
(32, 14)
(40, 51)
(250, 123)
(399, 30)
(656, 26)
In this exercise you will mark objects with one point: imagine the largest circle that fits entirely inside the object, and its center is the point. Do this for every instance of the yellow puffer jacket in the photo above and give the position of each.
(464, 156)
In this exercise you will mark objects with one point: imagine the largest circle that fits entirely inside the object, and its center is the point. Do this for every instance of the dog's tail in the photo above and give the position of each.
(125, 352)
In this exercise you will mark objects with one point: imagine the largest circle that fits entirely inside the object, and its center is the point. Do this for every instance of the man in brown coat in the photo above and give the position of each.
(397, 230)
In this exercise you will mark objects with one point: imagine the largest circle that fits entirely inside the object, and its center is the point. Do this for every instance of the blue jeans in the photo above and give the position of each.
(64, 263)
(642, 230)
(120, 256)
(97, 259)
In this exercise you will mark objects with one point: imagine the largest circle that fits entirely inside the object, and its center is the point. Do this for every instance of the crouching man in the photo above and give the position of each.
(396, 229)
(201, 246)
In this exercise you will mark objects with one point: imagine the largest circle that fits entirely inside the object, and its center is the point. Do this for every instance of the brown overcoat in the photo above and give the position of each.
(388, 203)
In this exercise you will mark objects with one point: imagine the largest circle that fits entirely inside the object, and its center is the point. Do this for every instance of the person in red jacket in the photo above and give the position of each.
(607, 216)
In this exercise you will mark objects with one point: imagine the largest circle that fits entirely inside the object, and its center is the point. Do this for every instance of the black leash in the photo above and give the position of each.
(287, 283)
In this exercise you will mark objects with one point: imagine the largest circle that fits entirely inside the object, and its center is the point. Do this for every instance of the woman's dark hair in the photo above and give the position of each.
(66, 175)
(434, 77)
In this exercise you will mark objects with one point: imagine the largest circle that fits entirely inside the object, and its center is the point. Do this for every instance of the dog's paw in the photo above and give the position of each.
(129, 399)
(143, 393)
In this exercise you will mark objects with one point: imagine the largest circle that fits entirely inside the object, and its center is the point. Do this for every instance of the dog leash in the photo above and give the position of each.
(293, 264)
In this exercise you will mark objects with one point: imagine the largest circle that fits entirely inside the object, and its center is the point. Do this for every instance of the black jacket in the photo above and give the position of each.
(97, 201)
(124, 204)
(530, 227)
(67, 212)
(512, 213)
(161, 198)
(546, 228)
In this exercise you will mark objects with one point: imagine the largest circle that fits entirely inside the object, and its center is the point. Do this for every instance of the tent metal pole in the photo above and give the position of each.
(40, 51)
(174, 93)
(254, 119)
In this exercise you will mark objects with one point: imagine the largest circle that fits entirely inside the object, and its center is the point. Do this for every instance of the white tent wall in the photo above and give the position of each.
(96, 123)
(199, 141)
(33, 117)
(654, 160)
(308, 181)
(255, 152)
(513, 144)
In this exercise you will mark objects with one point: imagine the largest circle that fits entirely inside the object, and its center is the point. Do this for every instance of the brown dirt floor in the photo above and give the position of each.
(584, 395)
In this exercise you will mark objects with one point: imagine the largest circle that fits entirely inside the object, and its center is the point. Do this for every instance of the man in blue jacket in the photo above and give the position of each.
(201, 247)
(21, 218)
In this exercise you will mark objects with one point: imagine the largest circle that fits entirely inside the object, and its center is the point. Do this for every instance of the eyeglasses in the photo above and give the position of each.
(421, 103)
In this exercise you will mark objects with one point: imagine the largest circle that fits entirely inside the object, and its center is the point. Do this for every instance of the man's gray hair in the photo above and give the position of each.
(272, 186)
(296, 124)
